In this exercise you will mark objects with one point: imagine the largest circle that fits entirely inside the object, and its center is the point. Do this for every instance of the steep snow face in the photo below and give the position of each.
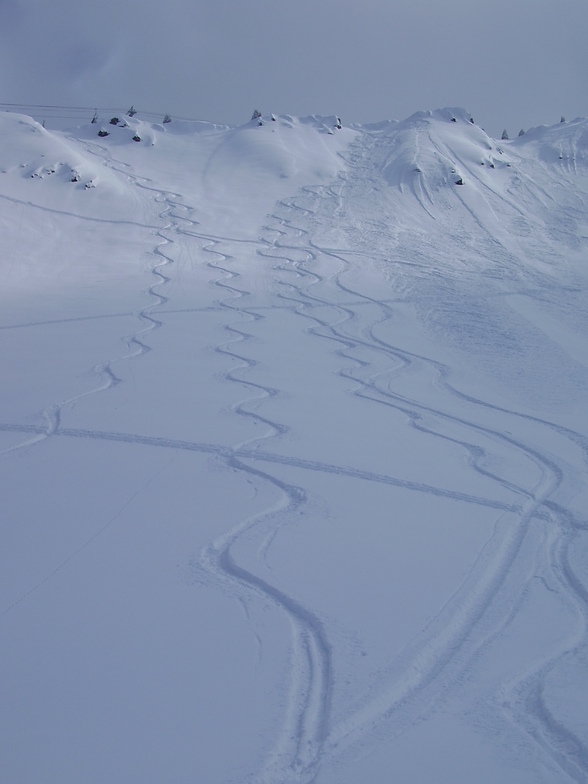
(462, 208)
(293, 452)
(429, 146)
(431, 153)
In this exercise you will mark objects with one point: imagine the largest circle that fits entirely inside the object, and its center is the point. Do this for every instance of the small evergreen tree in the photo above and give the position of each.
(504, 136)
(563, 119)
(132, 112)
(95, 117)
(167, 119)
(522, 132)
(256, 114)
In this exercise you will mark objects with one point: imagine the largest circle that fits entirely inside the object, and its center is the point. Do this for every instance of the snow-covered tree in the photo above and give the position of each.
(504, 135)
(256, 114)
(167, 118)
(522, 132)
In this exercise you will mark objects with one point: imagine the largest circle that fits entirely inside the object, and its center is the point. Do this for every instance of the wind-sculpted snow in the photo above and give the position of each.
(293, 452)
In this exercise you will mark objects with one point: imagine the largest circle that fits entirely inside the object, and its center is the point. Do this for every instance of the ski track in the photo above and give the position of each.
(468, 623)
(136, 341)
(474, 624)
(108, 379)
(471, 621)
(296, 753)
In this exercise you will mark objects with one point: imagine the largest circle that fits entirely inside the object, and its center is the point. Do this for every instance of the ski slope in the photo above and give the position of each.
(293, 452)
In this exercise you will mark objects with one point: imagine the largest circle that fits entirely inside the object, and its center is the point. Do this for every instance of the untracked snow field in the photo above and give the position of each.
(293, 453)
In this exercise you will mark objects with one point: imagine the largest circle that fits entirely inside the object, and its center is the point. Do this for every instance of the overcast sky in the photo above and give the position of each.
(511, 63)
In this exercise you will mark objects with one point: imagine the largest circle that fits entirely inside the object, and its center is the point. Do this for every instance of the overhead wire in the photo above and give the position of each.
(41, 112)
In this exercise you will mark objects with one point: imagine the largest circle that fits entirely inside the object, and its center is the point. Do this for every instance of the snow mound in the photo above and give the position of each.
(282, 147)
(59, 168)
(31, 152)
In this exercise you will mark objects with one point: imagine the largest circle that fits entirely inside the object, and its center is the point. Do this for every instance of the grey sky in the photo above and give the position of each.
(512, 63)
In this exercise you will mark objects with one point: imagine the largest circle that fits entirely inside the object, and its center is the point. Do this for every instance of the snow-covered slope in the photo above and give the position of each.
(293, 452)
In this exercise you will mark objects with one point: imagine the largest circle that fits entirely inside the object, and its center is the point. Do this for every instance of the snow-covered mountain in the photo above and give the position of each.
(293, 452)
